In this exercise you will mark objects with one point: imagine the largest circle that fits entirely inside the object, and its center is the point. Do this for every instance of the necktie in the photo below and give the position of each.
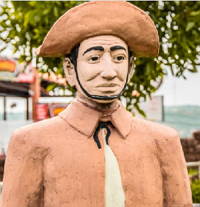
(114, 193)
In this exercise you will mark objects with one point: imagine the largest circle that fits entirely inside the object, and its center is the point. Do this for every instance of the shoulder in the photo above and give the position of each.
(38, 133)
(166, 140)
(158, 132)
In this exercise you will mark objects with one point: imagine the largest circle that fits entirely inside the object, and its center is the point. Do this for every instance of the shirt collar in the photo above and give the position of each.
(85, 119)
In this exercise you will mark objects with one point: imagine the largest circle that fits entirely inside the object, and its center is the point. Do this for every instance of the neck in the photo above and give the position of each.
(104, 107)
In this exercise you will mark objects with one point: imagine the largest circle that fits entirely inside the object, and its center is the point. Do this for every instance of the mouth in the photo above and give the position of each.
(107, 88)
(107, 85)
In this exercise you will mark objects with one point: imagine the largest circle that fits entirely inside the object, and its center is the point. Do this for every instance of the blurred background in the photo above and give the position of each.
(165, 89)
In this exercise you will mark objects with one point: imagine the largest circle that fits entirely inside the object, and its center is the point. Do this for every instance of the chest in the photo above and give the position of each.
(75, 170)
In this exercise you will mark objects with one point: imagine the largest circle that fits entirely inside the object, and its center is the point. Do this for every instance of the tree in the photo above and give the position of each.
(24, 25)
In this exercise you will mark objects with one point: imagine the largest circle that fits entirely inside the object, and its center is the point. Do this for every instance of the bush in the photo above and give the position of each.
(195, 186)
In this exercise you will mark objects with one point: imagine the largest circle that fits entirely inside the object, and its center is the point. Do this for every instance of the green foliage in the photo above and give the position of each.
(24, 25)
(195, 186)
(193, 171)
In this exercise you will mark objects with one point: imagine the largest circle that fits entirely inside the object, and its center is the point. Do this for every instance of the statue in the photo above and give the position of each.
(95, 153)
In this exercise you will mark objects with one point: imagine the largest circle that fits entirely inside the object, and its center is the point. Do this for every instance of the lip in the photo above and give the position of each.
(107, 85)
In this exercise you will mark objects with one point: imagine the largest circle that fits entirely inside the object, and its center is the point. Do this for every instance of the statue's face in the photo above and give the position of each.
(102, 68)
(102, 65)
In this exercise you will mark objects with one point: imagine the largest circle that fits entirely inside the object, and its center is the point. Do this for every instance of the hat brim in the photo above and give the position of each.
(118, 18)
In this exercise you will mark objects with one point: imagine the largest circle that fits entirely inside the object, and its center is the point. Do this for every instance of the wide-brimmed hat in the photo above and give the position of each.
(118, 18)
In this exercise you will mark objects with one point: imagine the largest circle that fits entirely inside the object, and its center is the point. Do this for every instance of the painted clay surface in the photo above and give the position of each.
(118, 18)
(56, 162)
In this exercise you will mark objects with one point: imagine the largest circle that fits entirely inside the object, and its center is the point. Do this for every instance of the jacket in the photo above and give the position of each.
(56, 163)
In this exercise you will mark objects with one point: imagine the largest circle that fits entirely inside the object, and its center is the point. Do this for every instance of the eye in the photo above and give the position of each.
(94, 59)
(119, 58)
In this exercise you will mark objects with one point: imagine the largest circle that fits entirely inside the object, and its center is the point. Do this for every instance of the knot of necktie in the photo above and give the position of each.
(102, 125)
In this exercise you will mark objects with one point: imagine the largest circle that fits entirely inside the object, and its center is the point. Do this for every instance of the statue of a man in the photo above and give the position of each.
(95, 153)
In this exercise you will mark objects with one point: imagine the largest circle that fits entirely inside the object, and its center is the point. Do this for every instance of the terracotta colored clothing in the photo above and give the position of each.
(56, 163)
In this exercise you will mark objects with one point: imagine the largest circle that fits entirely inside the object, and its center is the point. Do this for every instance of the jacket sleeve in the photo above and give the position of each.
(23, 175)
(176, 185)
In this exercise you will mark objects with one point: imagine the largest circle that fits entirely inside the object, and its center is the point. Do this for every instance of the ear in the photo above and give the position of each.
(69, 71)
(131, 68)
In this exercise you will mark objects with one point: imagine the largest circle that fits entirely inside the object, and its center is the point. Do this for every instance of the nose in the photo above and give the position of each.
(108, 71)
(108, 74)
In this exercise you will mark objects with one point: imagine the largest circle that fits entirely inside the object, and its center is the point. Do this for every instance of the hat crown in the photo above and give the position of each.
(118, 18)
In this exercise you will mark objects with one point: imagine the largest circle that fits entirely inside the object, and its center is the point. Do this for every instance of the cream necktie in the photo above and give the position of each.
(114, 193)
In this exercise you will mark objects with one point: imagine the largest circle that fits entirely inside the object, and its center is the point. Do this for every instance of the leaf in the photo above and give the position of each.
(189, 26)
(51, 86)
(195, 13)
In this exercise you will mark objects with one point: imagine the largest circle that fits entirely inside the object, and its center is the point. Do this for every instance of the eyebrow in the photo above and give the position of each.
(100, 48)
(117, 47)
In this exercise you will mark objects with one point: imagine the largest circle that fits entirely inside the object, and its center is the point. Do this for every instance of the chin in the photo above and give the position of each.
(102, 97)
(107, 96)
(104, 101)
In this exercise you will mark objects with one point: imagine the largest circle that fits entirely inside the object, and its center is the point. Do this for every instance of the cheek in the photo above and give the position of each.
(87, 71)
(122, 71)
